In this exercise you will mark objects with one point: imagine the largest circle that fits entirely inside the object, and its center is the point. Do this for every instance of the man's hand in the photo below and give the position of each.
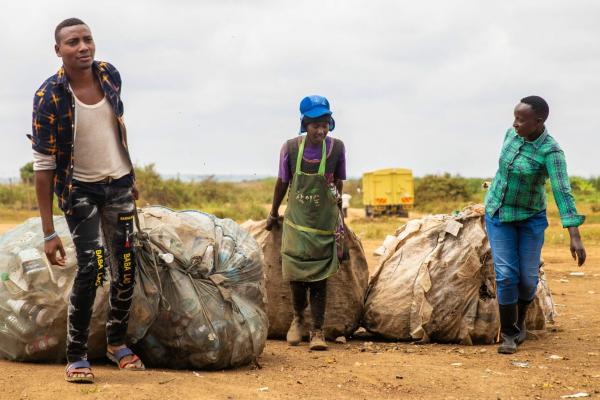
(51, 247)
(135, 192)
(577, 250)
(272, 220)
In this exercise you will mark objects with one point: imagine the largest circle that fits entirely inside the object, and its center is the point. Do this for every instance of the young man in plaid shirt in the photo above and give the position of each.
(81, 155)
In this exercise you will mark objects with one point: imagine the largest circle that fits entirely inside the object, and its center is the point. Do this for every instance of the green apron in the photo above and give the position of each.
(308, 248)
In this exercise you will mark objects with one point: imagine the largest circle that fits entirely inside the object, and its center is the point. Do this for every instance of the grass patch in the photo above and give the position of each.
(376, 228)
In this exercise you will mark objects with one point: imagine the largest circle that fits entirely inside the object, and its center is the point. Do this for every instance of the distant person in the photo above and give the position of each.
(346, 203)
(81, 154)
(313, 167)
(516, 214)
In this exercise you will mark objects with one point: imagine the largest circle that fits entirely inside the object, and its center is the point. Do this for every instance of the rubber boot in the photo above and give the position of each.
(294, 334)
(522, 310)
(508, 329)
(317, 340)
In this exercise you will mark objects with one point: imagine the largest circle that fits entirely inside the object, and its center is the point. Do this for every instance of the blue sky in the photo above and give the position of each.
(213, 87)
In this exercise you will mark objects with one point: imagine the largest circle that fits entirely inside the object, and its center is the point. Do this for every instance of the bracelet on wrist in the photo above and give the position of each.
(50, 236)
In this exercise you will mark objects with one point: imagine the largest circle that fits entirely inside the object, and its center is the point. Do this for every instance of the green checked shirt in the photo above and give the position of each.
(517, 191)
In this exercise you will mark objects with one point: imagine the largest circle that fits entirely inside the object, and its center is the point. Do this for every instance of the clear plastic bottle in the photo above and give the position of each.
(14, 284)
(35, 268)
(38, 314)
(18, 326)
(9, 345)
(41, 344)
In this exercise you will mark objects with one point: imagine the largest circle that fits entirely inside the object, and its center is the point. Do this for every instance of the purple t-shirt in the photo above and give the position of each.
(312, 154)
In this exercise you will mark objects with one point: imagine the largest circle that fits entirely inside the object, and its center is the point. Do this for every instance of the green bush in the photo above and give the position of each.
(433, 188)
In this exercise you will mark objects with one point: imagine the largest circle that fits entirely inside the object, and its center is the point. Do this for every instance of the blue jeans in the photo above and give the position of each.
(516, 250)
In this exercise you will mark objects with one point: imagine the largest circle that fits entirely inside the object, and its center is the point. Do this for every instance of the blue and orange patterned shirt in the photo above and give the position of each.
(53, 123)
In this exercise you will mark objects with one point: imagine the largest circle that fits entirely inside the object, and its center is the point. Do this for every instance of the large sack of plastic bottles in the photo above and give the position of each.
(345, 289)
(436, 282)
(199, 299)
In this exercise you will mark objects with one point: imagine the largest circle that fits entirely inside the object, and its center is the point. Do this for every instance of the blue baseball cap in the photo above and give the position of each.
(315, 106)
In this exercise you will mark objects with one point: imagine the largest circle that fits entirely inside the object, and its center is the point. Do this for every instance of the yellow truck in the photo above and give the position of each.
(388, 192)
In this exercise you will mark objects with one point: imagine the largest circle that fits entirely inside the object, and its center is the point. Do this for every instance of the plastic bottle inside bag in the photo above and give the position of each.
(9, 345)
(35, 268)
(36, 313)
(14, 283)
(19, 326)
(41, 344)
(63, 279)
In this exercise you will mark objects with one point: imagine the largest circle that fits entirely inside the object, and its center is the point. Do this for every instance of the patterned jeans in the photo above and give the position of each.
(101, 223)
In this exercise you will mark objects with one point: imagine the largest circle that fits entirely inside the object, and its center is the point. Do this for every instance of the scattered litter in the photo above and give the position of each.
(489, 371)
(521, 364)
(578, 273)
(340, 339)
(591, 292)
(263, 389)
(575, 396)
(593, 353)
(456, 364)
(166, 381)
(563, 280)
(357, 364)
(399, 377)
(198, 375)
(555, 357)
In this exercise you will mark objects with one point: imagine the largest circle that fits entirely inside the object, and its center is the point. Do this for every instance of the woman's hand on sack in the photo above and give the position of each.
(576, 246)
(272, 220)
(51, 247)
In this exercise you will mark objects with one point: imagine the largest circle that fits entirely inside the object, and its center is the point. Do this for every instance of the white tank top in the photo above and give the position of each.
(98, 152)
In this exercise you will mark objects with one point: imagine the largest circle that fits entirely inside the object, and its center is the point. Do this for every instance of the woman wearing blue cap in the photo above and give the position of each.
(313, 167)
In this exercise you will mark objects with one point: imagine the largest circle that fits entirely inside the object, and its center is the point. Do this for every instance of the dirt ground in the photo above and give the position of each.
(565, 361)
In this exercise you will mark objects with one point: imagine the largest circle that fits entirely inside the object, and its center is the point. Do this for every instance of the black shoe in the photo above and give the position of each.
(522, 314)
(508, 329)
(508, 344)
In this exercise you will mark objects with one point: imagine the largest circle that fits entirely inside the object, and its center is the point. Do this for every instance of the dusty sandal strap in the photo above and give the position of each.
(118, 356)
(78, 364)
(124, 352)
(88, 377)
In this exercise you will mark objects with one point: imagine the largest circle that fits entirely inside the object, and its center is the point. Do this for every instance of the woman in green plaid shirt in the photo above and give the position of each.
(516, 214)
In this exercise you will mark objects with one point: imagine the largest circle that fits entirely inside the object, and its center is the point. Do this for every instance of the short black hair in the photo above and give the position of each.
(539, 106)
(67, 22)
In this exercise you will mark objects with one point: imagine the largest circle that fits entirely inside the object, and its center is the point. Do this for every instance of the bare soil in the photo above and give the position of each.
(565, 360)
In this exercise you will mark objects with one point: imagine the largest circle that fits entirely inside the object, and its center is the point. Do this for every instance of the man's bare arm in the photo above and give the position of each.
(44, 189)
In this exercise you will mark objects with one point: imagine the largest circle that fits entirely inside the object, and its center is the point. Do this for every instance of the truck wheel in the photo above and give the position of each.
(402, 213)
(369, 212)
